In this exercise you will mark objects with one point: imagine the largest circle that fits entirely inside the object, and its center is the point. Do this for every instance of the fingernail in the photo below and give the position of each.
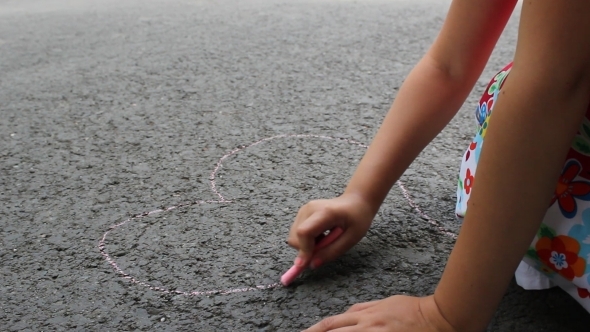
(298, 261)
(316, 262)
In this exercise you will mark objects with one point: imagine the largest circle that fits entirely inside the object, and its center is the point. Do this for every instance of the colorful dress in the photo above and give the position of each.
(560, 252)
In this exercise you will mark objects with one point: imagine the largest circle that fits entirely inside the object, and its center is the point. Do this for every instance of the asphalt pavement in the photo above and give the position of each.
(154, 153)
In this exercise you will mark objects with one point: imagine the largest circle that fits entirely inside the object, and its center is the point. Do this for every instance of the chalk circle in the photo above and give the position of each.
(223, 201)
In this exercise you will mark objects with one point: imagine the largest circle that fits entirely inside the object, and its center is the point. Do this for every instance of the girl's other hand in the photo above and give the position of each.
(349, 212)
(393, 314)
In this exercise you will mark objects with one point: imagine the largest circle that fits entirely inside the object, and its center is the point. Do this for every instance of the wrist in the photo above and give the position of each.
(432, 313)
(464, 322)
(364, 200)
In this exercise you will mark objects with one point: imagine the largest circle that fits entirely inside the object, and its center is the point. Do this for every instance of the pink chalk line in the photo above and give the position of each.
(222, 200)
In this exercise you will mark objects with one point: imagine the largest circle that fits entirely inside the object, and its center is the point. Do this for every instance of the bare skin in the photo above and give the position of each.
(534, 121)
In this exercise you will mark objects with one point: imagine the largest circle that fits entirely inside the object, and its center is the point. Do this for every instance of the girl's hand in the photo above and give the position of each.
(393, 314)
(349, 212)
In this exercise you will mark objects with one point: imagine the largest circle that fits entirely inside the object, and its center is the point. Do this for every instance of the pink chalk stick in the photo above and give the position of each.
(295, 270)
(291, 274)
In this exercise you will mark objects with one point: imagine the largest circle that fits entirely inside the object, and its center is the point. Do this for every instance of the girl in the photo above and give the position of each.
(538, 136)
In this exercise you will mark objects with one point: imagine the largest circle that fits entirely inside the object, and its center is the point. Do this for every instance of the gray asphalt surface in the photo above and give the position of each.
(111, 109)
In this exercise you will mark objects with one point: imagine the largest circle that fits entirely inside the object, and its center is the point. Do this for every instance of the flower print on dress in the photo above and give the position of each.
(581, 142)
(490, 102)
(481, 113)
(468, 181)
(580, 148)
(560, 253)
(462, 198)
(544, 269)
(558, 260)
(477, 144)
(583, 293)
(472, 147)
(581, 232)
(483, 129)
(497, 82)
(567, 189)
(538, 265)
(484, 109)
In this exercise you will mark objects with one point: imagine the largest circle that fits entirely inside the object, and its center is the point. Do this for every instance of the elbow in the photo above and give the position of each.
(456, 74)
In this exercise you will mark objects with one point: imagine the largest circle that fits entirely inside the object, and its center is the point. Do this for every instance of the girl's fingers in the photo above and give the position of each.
(307, 232)
(335, 323)
(353, 328)
(362, 306)
(334, 250)
(292, 239)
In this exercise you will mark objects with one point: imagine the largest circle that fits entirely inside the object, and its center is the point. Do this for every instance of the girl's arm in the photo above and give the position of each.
(429, 98)
(534, 120)
(432, 94)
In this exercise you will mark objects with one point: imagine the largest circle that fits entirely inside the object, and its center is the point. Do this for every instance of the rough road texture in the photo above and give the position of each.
(109, 110)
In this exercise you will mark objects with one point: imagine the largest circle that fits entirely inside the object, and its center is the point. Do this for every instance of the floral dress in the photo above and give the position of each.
(560, 252)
